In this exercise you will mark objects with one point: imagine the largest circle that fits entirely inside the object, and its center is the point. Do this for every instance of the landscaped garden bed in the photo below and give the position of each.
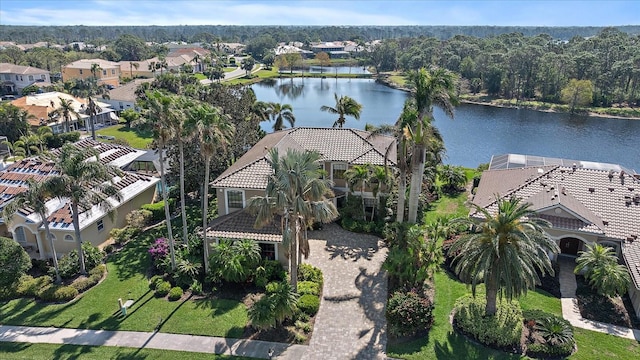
(611, 310)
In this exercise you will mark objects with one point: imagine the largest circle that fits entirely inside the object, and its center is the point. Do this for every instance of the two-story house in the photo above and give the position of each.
(585, 202)
(340, 148)
(14, 78)
(108, 72)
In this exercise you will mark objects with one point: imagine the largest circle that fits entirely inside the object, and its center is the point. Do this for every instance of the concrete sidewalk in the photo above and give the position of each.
(571, 312)
(149, 340)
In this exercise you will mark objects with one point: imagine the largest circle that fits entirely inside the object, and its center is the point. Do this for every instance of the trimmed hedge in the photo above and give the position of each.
(155, 281)
(309, 304)
(308, 288)
(163, 288)
(157, 209)
(95, 275)
(503, 330)
(175, 293)
(548, 349)
(31, 287)
(408, 313)
(57, 293)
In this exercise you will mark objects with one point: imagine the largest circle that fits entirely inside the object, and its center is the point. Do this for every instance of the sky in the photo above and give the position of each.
(326, 12)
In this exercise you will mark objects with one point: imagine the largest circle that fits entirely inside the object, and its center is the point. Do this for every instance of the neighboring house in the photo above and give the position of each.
(95, 224)
(42, 106)
(146, 67)
(108, 74)
(124, 97)
(327, 47)
(586, 202)
(14, 78)
(339, 148)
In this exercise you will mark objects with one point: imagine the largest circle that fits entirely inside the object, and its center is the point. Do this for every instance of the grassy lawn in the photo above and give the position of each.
(15, 351)
(199, 76)
(137, 139)
(98, 308)
(26, 351)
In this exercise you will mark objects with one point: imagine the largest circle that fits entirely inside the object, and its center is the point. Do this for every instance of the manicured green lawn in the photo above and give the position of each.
(98, 308)
(200, 76)
(15, 351)
(137, 139)
(228, 69)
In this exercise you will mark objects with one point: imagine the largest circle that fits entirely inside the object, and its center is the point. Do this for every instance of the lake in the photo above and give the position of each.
(476, 133)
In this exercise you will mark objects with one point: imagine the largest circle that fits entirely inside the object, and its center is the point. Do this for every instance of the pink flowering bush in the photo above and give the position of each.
(159, 250)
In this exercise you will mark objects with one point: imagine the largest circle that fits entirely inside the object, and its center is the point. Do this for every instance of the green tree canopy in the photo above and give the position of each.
(577, 93)
(14, 262)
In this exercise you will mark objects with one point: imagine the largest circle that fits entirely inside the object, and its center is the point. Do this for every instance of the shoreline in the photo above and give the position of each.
(393, 85)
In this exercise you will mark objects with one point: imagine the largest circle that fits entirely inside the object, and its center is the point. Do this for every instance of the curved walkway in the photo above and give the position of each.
(351, 322)
(571, 312)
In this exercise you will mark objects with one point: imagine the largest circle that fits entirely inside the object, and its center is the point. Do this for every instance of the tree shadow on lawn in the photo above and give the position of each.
(133, 258)
(13, 347)
(78, 351)
(39, 313)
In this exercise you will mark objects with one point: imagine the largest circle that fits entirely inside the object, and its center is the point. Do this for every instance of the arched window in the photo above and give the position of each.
(19, 234)
(68, 237)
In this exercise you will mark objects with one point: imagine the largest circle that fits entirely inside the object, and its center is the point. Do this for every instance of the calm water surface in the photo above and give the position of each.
(476, 133)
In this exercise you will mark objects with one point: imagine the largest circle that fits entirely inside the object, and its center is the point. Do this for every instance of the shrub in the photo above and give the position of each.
(155, 281)
(196, 287)
(92, 255)
(31, 287)
(121, 236)
(68, 265)
(99, 270)
(109, 249)
(504, 329)
(156, 209)
(163, 288)
(14, 262)
(175, 293)
(138, 219)
(270, 270)
(95, 275)
(408, 313)
(309, 304)
(547, 350)
(556, 332)
(308, 288)
(57, 293)
(159, 249)
(307, 272)
(304, 326)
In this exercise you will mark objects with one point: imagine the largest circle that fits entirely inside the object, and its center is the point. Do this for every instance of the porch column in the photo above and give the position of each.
(40, 247)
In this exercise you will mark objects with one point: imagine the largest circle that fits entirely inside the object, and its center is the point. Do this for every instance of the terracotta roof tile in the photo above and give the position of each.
(240, 225)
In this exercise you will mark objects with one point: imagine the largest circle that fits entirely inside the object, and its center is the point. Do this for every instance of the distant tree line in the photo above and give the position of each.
(230, 33)
(515, 66)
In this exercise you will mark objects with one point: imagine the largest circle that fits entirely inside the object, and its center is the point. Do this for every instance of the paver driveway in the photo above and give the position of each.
(351, 322)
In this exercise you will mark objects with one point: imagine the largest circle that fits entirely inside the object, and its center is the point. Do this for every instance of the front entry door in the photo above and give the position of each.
(569, 246)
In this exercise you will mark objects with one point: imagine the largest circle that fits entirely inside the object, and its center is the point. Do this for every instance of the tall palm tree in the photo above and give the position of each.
(35, 198)
(296, 192)
(85, 181)
(345, 106)
(433, 87)
(95, 68)
(279, 113)
(601, 267)
(131, 66)
(90, 88)
(214, 131)
(66, 110)
(182, 130)
(380, 182)
(359, 174)
(504, 250)
(159, 111)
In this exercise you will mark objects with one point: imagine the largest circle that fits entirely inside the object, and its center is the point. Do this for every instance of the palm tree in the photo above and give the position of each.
(35, 198)
(89, 88)
(601, 267)
(131, 66)
(181, 130)
(66, 110)
(84, 181)
(359, 174)
(345, 106)
(95, 68)
(297, 193)
(159, 111)
(380, 182)
(214, 131)
(434, 87)
(279, 113)
(152, 67)
(504, 250)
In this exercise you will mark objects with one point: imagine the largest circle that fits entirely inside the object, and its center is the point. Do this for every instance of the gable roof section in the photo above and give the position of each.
(240, 225)
(600, 201)
(127, 92)
(7, 68)
(333, 144)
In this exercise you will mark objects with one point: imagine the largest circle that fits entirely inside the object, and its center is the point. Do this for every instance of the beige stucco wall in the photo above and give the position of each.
(90, 233)
(111, 77)
(634, 294)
